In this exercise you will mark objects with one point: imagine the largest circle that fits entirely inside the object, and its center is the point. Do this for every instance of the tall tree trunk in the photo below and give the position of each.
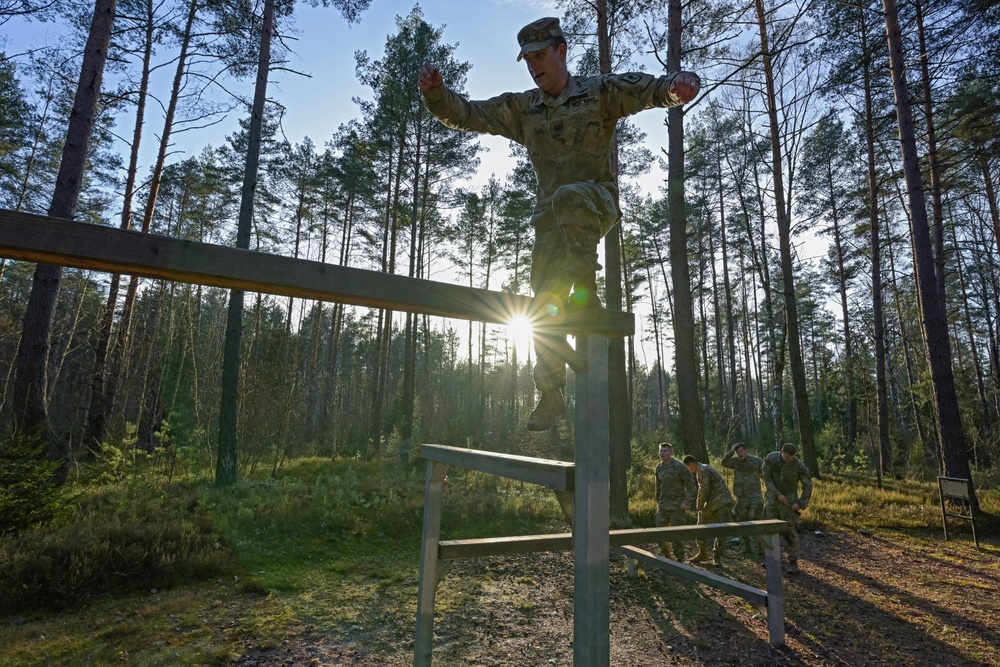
(685, 358)
(977, 368)
(878, 317)
(619, 409)
(849, 366)
(226, 470)
(735, 426)
(932, 153)
(30, 404)
(410, 339)
(788, 278)
(934, 317)
(97, 413)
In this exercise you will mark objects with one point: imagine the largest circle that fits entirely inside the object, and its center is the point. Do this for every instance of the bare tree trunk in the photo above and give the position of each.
(788, 277)
(934, 317)
(932, 153)
(30, 404)
(878, 324)
(619, 408)
(984, 404)
(685, 358)
(226, 470)
(99, 400)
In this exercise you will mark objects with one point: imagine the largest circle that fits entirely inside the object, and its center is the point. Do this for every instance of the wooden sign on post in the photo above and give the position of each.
(956, 502)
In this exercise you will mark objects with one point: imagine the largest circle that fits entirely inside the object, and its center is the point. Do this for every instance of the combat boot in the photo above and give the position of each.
(793, 566)
(550, 407)
(701, 557)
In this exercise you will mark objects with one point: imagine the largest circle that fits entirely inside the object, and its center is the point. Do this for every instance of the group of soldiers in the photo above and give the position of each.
(692, 485)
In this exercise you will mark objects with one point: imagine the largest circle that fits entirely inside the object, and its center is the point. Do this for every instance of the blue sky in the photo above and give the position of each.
(484, 30)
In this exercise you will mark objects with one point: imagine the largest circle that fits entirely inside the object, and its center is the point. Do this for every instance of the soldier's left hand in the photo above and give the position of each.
(685, 86)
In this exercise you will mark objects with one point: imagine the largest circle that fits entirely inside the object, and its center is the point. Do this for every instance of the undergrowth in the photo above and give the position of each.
(322, 543)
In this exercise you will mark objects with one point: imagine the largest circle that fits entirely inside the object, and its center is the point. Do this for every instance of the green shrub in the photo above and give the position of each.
(105, 550)
(29, 493)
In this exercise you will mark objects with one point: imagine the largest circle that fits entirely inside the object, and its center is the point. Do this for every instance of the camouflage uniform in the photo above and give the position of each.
(568, 138)
(783, 479)
(715, 505)
(675, 486)
(746, 488)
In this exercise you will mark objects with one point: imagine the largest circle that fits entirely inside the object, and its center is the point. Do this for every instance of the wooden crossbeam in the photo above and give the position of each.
(39, 238)
(509, 546)
(755, 596)
(557, 475)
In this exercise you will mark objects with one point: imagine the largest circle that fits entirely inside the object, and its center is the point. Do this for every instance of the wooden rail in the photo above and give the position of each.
(39, 238)
(556, 475)
(509, 546)
(751, 594)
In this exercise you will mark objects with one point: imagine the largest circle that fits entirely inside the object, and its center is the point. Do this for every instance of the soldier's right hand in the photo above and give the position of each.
(430, 77)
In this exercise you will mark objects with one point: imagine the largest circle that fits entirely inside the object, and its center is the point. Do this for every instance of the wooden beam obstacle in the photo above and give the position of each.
(38, 238)
(436, 555)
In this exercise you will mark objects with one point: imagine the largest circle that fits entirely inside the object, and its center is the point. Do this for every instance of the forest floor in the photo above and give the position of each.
(322, 564)
(861, 599)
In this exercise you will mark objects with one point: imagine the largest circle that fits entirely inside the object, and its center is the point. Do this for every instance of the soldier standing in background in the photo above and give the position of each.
(783, 474)
(715, 505)
(746, 488)
(675, 495)
(568, 124)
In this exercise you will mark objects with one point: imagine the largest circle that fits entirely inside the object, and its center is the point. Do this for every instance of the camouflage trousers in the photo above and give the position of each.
(776, 510)
(671, 518)
(567, 229)
(749, 509)
(722, 515)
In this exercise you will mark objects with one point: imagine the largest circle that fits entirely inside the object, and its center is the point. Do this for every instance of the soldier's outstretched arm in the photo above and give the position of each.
(685, 86)
(430, 77)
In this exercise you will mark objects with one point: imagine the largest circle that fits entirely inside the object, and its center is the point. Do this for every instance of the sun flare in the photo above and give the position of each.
(519, 331)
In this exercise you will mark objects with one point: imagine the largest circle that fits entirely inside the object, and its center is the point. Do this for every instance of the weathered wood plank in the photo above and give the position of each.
(509, 546)
(775, 597)
(38, 238)
(709, 531)
(591, 512)
(753, 595)
(557, 475)
(423, 644)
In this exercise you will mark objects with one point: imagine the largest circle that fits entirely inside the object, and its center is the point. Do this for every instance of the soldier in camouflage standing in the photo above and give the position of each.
(783, 474)
(567, 124)
(676, 491)
(746, 488)
(715, 505)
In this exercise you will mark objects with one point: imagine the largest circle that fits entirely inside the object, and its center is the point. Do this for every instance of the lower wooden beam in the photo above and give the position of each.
(751, 594)
(522, 544)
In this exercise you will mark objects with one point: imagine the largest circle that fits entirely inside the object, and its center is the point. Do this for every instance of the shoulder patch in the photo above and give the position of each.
(631, 77)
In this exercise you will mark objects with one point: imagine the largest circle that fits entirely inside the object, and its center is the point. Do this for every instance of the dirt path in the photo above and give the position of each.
(860, 600)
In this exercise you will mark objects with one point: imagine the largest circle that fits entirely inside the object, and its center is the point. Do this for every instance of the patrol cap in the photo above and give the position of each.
(538, 34)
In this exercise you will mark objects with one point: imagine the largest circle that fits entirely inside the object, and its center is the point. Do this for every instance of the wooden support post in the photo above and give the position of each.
(775, 601)
(591, 592)
(423, 643)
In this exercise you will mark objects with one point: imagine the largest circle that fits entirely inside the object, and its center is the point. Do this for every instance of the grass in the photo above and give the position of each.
(324, 544)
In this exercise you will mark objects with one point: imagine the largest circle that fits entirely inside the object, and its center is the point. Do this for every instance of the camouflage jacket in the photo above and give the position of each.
(568, 137)
(712, 490)
(783, 479)
(675, 486)
(746, 476)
